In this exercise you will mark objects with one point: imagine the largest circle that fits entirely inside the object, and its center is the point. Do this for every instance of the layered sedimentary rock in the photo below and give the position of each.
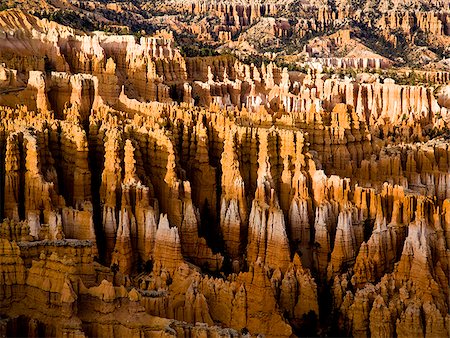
(167, 253)
(233, 205)
(143, 192)
(267, 237)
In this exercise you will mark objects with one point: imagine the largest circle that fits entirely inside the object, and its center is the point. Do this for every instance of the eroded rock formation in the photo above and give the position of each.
(144, 193)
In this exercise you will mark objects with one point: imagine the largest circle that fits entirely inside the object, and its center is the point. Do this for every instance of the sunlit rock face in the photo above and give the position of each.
(144, 193)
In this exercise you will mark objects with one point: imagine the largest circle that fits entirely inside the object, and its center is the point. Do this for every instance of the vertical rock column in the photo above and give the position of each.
(110, 188)
(167, 254)
(267, 238)
(233, 207)
(12, 178)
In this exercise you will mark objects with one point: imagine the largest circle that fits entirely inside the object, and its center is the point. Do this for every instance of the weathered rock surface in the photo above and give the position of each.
(292, 200)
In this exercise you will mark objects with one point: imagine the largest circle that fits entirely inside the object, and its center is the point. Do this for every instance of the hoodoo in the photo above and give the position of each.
(224, 168)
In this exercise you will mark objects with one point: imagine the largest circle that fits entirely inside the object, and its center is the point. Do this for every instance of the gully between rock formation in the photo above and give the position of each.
(314, 205)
